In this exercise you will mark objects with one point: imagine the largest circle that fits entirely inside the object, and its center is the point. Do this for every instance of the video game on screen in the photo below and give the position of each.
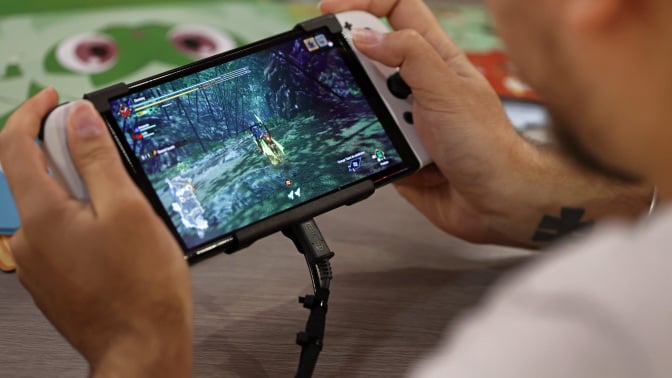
(236, 143)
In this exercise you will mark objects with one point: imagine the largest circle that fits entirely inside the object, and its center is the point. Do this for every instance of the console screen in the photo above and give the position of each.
(251, 137)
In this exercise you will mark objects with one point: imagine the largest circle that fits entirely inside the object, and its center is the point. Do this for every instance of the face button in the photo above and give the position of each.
(408, 117)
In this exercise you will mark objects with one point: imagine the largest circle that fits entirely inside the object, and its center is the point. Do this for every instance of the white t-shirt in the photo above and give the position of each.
(596, 307)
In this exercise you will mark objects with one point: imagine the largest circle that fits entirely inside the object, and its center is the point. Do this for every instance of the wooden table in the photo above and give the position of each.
(398, 284)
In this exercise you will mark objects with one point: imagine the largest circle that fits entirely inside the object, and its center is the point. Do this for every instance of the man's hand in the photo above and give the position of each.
(108, 274)
(488, 184)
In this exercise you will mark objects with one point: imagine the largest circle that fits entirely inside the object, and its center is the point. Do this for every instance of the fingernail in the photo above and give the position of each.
(45, 90)
(86, 122)
(367, 36)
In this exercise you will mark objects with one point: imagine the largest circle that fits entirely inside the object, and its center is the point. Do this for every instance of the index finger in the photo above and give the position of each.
(23, 161)
(402, 14)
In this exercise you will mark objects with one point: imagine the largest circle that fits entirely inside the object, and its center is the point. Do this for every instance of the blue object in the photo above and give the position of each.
(9, 217)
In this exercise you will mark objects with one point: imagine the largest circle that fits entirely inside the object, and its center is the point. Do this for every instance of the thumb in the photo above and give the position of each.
(94, 154)
(430, 76)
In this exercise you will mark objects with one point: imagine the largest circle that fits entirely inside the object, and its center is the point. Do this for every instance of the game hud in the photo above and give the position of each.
(235, 143)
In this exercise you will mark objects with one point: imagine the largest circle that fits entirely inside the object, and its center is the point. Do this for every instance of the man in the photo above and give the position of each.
(591, 310)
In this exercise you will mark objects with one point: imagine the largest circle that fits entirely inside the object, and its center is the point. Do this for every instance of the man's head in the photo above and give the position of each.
(605, 69)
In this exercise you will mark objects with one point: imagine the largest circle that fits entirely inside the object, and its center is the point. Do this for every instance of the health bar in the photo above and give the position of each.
(182, 92)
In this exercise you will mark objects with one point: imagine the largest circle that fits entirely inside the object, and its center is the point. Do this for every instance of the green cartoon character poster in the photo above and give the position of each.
(80, 51)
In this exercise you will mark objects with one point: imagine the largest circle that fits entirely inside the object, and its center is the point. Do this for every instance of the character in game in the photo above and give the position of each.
(273, 150)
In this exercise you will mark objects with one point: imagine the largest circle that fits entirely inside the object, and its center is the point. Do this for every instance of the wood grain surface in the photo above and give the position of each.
(399, 286)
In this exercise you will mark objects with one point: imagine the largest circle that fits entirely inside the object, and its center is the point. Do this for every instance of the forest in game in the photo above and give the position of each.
(282, 120)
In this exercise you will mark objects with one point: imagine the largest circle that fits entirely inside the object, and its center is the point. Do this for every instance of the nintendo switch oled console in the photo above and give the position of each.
(237, 146)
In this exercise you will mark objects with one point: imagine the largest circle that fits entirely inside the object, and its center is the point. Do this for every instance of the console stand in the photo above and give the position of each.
(309, 242)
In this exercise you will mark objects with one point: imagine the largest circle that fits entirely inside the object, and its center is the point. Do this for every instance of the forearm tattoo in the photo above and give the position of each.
(552, 228)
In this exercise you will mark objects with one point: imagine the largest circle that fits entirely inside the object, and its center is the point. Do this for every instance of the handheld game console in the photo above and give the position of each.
(246, 143)
(395, 93)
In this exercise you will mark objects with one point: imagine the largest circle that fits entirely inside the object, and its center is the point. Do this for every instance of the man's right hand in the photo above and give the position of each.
(487, 184)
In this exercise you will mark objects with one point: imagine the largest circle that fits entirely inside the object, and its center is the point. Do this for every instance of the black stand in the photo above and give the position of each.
(309, 242)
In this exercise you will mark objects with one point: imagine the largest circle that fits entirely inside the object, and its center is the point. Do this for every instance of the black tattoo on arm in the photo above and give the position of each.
(552, 228)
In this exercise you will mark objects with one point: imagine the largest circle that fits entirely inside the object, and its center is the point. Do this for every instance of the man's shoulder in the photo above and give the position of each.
(616, 278)
(595, 306)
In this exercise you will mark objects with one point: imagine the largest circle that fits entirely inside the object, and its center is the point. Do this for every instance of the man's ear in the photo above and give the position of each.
(585, 15)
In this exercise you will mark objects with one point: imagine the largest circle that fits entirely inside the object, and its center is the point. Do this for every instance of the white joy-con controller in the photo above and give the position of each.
(55, 146)
(394, 91)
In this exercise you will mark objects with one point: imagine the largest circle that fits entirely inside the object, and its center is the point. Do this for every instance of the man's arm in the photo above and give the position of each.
(554, 197)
